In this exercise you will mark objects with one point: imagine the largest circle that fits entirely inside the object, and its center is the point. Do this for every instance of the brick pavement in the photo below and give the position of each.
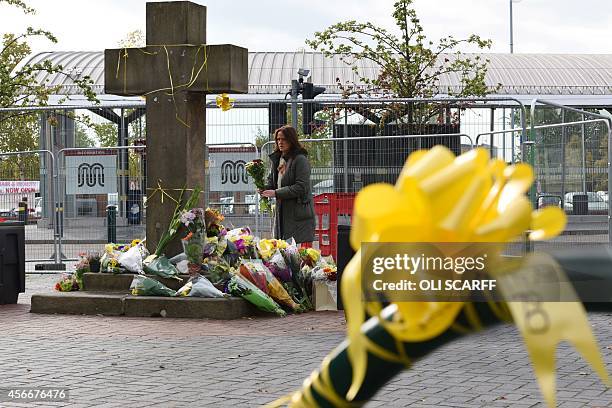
(134, 362)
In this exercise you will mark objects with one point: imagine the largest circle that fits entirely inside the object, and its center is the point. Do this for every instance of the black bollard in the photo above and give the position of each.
(111, 223)
(22, 210)
(345, 254)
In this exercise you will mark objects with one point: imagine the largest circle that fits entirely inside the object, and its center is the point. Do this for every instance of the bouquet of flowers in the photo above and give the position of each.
(292, 256)
(278, 292)
(88, 262)
(254, 271)
(244, 242)
(238, 286)
(176, 221)
(310, 256)
(68, 283)
(217, 270)
(231, 254)
(131, 259)
(193, 243)
(268, 247)
(213, 219)
(278, 266)
(145, 286)
(160, 266)
(109, 263)
(257, 170)
(199, 286)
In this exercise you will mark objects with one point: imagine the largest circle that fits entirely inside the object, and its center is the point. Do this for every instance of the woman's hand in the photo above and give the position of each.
(268, 193)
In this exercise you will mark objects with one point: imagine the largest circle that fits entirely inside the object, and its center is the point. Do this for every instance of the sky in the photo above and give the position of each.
(540, 26)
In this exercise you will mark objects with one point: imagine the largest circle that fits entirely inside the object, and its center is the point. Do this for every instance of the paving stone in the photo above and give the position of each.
(252, 361)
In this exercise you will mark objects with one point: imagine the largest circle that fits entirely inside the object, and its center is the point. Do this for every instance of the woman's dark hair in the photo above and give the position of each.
(292, 138)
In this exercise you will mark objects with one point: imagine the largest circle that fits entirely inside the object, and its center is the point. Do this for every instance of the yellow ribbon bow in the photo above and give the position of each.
(442, 198)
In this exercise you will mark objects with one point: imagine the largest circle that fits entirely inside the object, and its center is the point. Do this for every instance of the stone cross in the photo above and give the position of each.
(174, 72)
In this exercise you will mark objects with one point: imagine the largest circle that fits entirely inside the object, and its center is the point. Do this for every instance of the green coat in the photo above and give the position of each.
(295, 215)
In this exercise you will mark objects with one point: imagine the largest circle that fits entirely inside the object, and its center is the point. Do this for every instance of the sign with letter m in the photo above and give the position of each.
(91, 172)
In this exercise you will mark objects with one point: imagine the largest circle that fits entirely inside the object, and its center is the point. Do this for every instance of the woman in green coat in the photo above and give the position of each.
(289, 182)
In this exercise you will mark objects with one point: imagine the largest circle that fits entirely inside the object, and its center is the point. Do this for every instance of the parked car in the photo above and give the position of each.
(603, 195)
(227, 205)
(251, 199)
(596, 204)
(325, 186)
(8, 214)
(546, 200)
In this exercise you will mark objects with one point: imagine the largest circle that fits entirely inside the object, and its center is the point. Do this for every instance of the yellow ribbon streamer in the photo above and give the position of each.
(164, 192)
(172, 89)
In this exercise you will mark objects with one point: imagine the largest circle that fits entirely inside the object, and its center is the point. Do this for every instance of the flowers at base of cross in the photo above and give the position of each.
(243, 241)
(68, 283)
(213, 219)
(268, 247)
(193, 242)
(310, 256)
(257, 170)
(193, 219)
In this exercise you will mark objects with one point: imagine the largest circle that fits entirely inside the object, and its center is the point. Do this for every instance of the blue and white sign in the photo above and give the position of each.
(227, 170)
(91, 172)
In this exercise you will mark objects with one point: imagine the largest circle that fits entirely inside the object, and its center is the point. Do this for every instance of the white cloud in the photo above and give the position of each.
(541, 26)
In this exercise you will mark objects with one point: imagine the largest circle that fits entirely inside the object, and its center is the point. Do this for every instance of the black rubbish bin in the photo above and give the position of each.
(12, 261)
(580, 204)
(345, 254)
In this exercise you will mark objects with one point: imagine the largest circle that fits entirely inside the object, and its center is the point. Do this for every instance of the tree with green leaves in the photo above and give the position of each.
(410, 65)
(18, 83)
(19, 87)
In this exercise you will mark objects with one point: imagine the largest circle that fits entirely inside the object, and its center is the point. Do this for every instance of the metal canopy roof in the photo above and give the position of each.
(576, 79)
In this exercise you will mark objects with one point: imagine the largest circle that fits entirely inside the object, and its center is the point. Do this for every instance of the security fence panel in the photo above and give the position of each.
(26, 195)
(569, 150)
(229, 188)
(100, 158)
(103, 198)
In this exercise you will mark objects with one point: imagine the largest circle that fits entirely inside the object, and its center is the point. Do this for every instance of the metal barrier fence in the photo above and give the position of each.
(22, 174)
(351, 144)
(229, 187)
(86, 195)
(570, 150)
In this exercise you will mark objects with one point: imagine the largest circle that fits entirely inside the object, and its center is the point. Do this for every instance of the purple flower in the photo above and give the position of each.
(187, 218)
(240, 245)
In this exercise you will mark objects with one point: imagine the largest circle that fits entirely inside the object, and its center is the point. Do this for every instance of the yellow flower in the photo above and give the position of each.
(313, 254)
(225, 102)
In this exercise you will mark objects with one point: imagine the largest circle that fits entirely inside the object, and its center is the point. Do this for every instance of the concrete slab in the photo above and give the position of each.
(192, 308)
(85, 303)
(123, 304)
(110, 282)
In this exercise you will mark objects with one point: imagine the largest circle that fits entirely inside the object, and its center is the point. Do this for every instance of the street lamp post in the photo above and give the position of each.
(511, 33)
